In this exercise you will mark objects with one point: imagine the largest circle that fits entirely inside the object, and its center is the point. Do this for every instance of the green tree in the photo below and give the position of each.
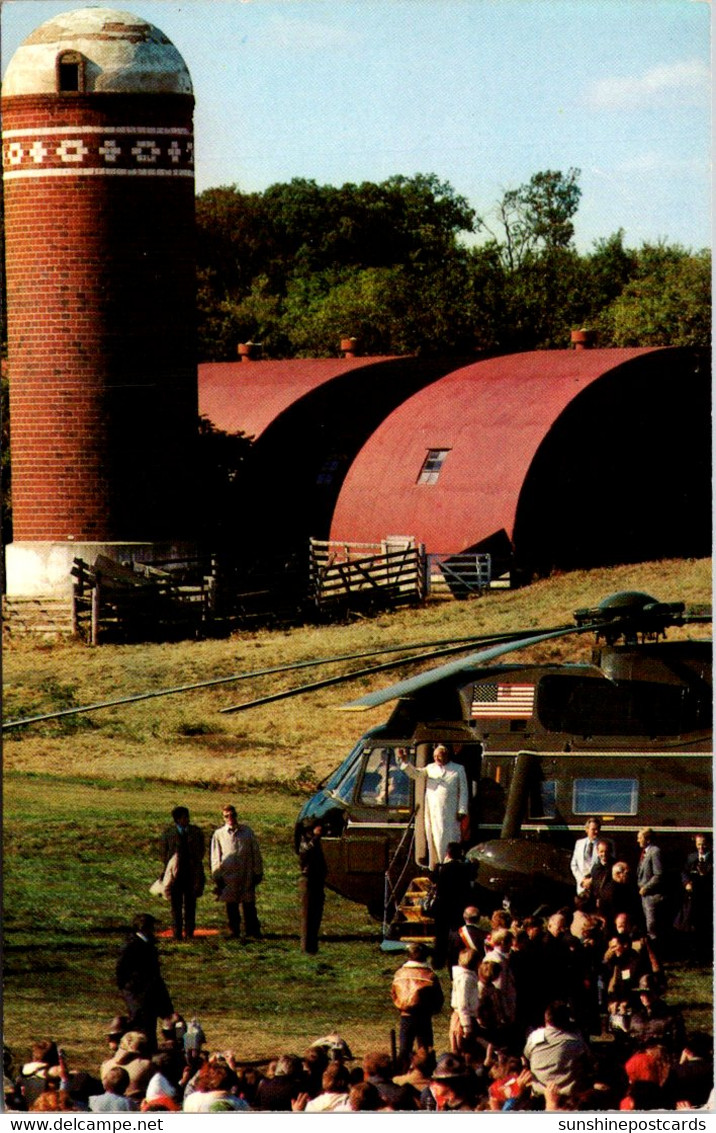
(538, 216)
(367, 303)
(222, 461)
(609, 268)
(539, 293)
(257, 252)
(667, 303)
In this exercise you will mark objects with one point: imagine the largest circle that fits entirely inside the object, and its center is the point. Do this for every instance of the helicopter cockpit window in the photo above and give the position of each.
(605, 796)
(585, 707)
(343, 782)
(384, 783)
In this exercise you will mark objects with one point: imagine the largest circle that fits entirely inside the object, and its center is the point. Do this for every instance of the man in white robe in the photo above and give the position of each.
(446, 801)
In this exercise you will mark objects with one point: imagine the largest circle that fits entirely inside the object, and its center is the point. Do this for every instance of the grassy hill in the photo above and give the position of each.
(183, 738)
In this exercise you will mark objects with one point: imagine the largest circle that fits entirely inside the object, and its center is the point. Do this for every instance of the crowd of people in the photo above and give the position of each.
(563, 1010)
(568, 1010)
(555, 1068)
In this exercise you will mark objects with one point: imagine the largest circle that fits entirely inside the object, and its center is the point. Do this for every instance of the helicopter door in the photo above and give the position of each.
(470, 756)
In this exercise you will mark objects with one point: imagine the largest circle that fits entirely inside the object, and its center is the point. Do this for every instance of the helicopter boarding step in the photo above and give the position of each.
(410, 925)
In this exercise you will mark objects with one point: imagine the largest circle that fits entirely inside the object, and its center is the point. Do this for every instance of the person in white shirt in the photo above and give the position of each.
(335, 1085)
(464, 1001)
(585, 853)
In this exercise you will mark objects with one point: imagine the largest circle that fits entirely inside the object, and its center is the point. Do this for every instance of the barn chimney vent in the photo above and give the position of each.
(249, 351)
(349, 347)
(583, 339)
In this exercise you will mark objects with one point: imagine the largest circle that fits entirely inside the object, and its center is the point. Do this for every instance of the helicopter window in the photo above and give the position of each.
(347, 767)
(384, 783)
(543, 800)
(633, 708)
(605, 796)
(344, 787)
(432, 465)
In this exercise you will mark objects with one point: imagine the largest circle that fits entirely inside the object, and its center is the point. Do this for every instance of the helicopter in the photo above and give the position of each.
(625, 737)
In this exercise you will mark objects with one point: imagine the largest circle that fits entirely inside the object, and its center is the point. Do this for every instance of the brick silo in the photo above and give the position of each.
(99, 215)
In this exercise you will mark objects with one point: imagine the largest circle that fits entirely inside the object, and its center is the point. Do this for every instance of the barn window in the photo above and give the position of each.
(432, 465)
(70, 72)
(328, 470)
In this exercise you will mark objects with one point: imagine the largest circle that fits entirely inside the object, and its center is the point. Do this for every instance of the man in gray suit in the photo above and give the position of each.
(650, 882)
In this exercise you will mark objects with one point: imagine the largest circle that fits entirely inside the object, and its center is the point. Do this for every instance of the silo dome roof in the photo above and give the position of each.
(122, 53)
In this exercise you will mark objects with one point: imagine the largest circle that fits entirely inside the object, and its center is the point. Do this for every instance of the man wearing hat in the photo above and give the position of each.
(653, 1021)
(139, 979)
(118, 1027)
(451, 1085)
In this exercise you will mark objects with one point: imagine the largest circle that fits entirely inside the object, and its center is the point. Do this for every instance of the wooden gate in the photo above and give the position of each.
(365, 575)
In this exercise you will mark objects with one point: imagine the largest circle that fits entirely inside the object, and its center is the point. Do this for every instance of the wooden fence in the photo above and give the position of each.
(392, 573)
(114, 602)
(141, 602)
(41, 615)
(365, 575)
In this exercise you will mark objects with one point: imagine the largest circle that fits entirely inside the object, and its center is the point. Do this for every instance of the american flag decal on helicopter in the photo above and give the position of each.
(515, 700)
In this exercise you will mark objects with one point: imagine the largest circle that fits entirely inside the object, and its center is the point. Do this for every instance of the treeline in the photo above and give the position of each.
(300, 266)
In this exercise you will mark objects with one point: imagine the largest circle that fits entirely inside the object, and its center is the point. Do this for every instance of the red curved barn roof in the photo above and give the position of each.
(492, 416)
(248, 397)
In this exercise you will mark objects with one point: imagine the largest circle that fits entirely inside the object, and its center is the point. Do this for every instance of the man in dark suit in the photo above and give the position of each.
(139, 979)
(696, 914)
(187, 881)
(454, 888)
(312, 881)
(469, 935)
(650, 883)
(598, 885)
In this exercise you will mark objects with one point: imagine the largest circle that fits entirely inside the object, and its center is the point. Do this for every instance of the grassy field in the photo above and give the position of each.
(86, 798)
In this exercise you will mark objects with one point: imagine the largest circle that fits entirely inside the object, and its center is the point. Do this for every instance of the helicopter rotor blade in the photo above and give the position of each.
(213, 682)
(354, 674)
(474, 660)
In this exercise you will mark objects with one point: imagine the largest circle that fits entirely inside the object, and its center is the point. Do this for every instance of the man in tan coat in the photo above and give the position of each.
(236, 870)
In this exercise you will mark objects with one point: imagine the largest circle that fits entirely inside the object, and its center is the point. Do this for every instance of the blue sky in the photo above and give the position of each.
(482, 92)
